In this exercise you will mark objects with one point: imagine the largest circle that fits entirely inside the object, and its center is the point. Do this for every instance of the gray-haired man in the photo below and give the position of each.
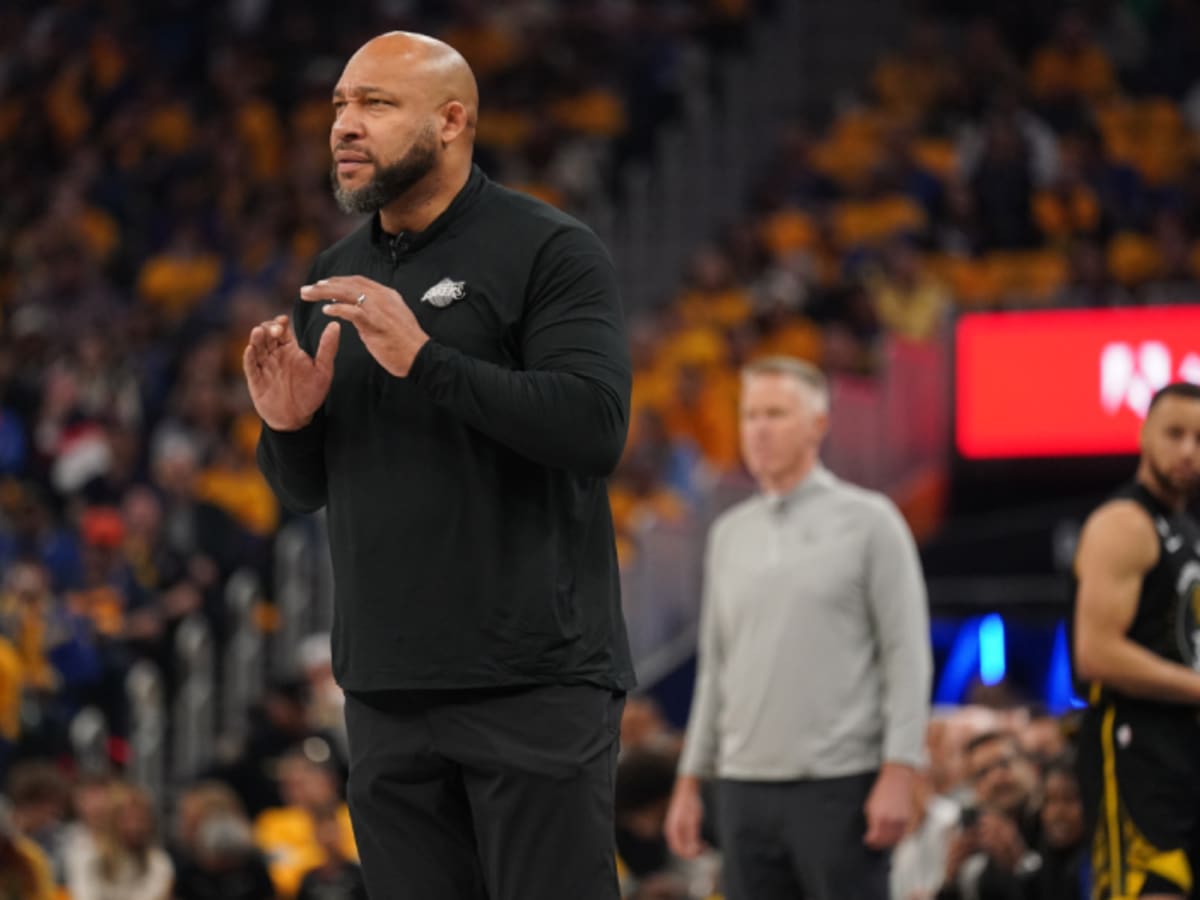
(813, 682)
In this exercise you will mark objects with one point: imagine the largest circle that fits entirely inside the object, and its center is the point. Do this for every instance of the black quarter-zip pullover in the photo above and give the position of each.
(468, 518)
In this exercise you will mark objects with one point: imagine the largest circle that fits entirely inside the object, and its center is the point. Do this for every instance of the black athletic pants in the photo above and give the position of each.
(485, 794)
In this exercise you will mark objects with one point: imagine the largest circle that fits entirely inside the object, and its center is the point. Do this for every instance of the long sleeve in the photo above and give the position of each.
(899, 612)
(293, 462)
(568, 407)
(701, 747)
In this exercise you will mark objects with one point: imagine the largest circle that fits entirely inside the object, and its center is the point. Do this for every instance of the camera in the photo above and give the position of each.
(969, 816)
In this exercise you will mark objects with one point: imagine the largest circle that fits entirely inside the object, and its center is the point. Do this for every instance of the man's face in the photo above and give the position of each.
(997, 771)
(384, 138)
(779, 425)
(1171, 445)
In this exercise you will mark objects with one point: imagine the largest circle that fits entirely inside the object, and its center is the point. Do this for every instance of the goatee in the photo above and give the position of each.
(390, 182)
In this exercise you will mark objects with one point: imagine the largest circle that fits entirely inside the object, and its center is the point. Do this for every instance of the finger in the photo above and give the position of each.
(279, 333)
(874, 835)
(250, 362)
(347, 311)
(882, 838)
(893, 834)
(279, 329)
(339, 289)
(267, 336)
(327, 347)
(258, 340)
(681, 838)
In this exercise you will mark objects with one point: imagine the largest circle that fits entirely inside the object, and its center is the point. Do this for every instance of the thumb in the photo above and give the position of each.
(327, 347)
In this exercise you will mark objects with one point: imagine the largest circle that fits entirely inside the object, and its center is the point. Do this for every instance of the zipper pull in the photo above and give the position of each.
(397, 245)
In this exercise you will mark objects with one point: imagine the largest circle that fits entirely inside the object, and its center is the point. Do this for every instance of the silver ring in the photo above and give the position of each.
(362, 298)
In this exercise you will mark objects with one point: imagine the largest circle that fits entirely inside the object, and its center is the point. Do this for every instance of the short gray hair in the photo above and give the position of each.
(805, 374)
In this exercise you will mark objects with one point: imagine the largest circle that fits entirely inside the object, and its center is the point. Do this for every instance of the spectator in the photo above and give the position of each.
(1002, 187)
(325, 707)
(92, 800)
(1004, 780)
(909, 302)
(41, 796)
(1063, 850)
(278, 723)
(288, 835)
(24, 872)
(338, 877)
(216, 857)
(1042, 739)
(988, 859)
(126, 862)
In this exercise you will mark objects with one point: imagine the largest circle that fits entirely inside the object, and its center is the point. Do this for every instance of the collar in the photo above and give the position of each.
(818, 479)
(406, 242)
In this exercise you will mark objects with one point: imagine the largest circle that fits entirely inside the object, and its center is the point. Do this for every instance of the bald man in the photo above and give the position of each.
(453, 387)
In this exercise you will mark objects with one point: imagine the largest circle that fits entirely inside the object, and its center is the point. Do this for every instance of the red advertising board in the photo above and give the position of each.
(1066, 382)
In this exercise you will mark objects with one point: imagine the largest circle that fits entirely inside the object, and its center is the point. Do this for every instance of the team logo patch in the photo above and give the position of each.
(444, 293)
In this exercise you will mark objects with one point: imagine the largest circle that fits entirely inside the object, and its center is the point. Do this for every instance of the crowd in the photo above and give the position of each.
(998, 817)
(1025, 156)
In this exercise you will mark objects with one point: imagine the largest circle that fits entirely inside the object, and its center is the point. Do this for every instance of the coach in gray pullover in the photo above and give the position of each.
(813, 680)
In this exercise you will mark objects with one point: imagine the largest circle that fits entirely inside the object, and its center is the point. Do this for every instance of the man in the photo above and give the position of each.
(994, 850)
(1137, 641)
(460, 443)
(1003, 778)
(814, 670)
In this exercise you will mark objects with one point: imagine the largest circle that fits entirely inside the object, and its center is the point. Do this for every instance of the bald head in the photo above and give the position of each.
(406, 108)
(433, 68)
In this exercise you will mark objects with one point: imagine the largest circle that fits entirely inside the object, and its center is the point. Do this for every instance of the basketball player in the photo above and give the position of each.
(1137, 641)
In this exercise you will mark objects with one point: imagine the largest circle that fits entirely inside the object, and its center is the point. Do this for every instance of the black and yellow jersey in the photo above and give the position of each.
(1138, 759)
(1167, 621)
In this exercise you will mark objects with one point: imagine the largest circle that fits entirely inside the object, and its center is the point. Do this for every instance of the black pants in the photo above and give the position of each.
(485, 795)
(799, 840)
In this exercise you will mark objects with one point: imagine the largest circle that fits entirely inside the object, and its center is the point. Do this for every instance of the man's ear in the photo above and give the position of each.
(455, 120)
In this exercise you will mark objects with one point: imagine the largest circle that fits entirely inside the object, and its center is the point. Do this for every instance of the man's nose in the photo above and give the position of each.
(347, 126)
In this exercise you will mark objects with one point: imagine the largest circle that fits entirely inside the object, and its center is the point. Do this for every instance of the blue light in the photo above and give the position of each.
(960, 664)
(991, 649)
(1059, 690)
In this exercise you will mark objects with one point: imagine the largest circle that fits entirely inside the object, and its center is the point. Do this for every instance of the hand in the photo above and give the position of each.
(287, 386)
(963, 845)
(684, 815)
(1000, 839)
(388, 328)
(889, 807)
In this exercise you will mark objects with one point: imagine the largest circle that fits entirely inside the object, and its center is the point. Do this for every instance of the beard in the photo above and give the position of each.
(390, 182)
(1183, 488)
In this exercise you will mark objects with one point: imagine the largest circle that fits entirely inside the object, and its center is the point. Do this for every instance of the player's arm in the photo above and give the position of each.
(1116, 550)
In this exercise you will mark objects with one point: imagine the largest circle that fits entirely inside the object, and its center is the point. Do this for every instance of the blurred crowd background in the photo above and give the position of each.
(165, 181)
